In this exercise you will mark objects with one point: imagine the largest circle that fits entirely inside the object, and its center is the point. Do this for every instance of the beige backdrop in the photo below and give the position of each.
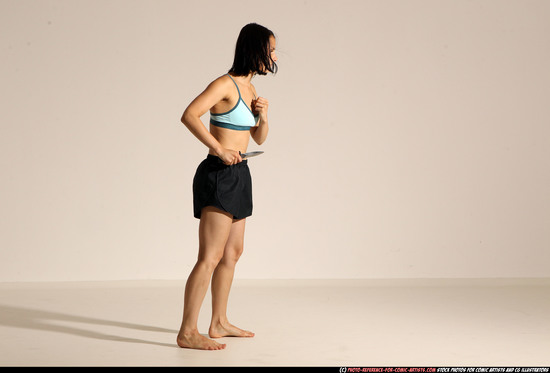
(408, 138)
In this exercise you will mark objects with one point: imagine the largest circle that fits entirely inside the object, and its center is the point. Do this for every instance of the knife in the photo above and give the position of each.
(250, 154)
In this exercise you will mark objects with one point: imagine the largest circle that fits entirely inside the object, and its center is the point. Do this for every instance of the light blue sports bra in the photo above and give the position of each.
(239, 118)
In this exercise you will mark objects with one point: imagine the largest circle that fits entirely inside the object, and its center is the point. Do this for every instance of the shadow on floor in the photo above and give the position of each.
(26, 318)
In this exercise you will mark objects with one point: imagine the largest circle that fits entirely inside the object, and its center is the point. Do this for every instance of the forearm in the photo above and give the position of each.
(198, 129)
(259, 134)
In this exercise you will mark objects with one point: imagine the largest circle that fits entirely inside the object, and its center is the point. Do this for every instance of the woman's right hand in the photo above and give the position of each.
(230, 157)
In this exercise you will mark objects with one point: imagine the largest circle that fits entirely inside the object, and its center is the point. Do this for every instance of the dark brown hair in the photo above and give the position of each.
(252, 52)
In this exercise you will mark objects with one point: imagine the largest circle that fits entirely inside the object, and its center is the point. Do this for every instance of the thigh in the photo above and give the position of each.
(214, 230)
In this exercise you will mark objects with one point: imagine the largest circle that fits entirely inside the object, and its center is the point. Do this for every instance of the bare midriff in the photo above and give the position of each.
(230, 139)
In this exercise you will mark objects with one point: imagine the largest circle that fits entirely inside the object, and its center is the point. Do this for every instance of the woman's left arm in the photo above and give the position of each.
(259, 133)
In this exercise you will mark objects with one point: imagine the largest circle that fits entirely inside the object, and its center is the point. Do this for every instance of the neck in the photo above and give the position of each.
(248, 78)
(245, 78)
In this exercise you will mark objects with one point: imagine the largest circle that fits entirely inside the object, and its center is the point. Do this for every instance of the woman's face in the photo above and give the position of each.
(272, 43)
(272, 53)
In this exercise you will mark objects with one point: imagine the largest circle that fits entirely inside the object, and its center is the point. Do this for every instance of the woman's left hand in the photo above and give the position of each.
(259, 107)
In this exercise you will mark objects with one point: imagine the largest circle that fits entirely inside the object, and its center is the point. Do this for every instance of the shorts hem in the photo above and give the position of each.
(235, 217)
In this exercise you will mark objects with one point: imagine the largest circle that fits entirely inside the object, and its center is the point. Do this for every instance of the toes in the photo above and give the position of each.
(247, 333)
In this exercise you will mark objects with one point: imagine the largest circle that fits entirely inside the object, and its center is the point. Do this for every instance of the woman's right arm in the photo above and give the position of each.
(191, 117)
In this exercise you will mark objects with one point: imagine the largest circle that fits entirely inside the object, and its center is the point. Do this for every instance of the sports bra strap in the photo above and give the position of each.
(238, 90)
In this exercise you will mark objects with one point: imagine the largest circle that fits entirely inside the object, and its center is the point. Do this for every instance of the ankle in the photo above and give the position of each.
(219, 321)
(188, 332)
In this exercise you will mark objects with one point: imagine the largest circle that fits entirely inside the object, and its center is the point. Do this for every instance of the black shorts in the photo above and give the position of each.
(228, 188)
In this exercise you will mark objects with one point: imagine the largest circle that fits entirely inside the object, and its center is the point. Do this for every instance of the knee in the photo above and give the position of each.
(210, 262)
(232, 254)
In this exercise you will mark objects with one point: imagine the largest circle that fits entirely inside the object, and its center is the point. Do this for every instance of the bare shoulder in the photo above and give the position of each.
(220, 87)
(221, 82)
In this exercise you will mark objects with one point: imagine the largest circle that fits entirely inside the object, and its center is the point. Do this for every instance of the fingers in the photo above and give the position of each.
(262, 100)
(261, 103)
(232, 157)
(260, 107)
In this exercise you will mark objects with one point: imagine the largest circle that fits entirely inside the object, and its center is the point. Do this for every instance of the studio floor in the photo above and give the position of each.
(435, 322)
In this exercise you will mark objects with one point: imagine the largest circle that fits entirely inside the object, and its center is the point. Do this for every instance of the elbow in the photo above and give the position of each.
(186, 118)
(259, 141)
(258, 136)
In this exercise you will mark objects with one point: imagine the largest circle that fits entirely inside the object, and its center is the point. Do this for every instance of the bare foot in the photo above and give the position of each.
(218, 330)
(199, 342)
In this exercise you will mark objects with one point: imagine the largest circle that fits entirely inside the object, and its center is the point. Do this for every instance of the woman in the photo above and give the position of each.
(222, 187)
